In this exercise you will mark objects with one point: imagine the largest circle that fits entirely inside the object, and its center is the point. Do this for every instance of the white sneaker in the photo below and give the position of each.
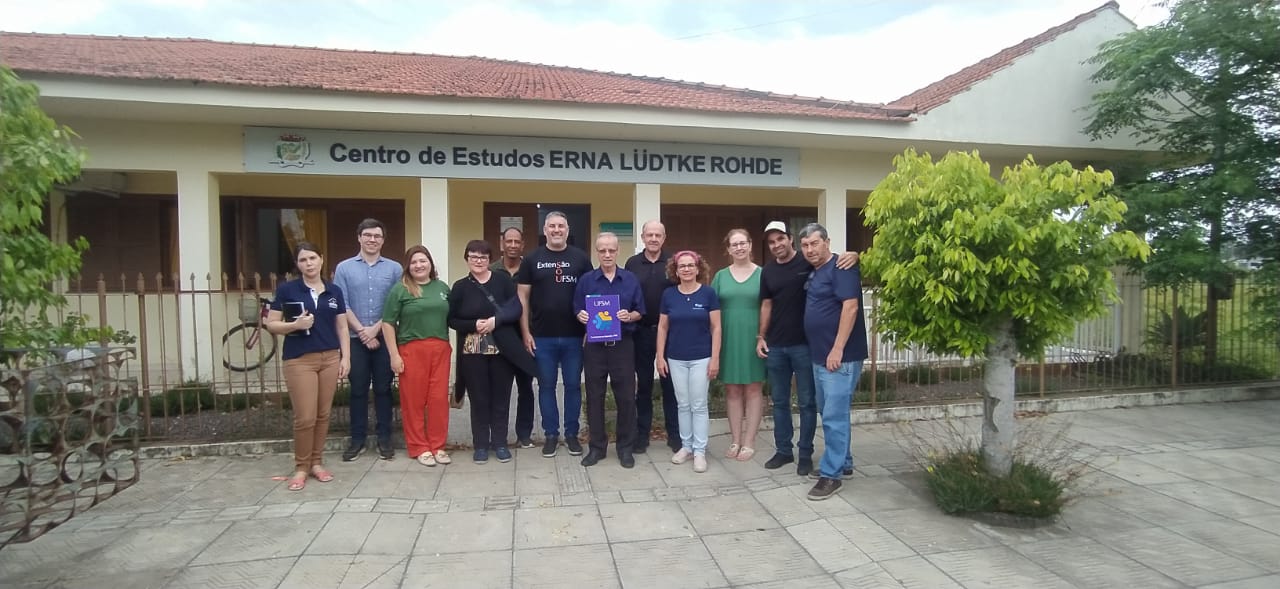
(682, 456)
(699, 463)
(426, 459)
(443, 457)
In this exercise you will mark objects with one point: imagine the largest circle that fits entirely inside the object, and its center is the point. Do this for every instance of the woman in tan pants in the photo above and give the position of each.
(310, 313)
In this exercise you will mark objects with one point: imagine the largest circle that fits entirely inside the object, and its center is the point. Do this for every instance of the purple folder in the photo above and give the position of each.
(603, 324)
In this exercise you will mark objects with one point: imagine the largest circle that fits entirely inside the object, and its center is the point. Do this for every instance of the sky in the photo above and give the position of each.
(862, 50)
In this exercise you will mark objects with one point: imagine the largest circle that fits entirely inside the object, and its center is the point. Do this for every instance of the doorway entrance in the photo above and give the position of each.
(529, 217)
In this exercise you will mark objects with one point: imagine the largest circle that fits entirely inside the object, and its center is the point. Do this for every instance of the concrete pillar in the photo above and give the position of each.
(433, 216)
(1130, 322)
(648, 206)
(199, 255)
(832, 212)
(57, 224)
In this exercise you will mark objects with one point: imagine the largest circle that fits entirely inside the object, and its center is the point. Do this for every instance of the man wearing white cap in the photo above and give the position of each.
(781, 342)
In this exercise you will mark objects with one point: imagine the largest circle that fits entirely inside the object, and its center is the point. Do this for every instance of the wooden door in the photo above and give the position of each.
(493, 214)
(702, 228)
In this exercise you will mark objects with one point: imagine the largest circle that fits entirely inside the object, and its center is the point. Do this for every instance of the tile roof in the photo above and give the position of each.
(938, 93)
(412, 74)
(273, 66)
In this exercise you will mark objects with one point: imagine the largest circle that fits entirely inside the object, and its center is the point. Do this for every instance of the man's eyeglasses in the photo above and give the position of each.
(477, 258)
(370, 236)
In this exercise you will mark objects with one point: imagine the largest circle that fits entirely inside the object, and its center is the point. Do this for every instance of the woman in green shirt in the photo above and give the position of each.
(415, 328)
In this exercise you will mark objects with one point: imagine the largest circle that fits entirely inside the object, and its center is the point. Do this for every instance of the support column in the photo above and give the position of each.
(833, 204)
(648, 206)
(1130, 312)
(57, 223)
(433, 215)
(199, 254)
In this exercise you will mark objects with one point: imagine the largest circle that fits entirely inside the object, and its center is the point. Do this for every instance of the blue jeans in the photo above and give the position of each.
(835, 395)
(783, 361)
(689, 378)
(564, 353)
(370, 366)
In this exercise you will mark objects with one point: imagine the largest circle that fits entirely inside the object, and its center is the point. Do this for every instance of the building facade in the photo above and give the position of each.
(208, 160)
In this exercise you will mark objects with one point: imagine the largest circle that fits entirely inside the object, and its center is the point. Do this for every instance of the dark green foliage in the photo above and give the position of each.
(883, 395)
(961, 484)
(1138, 370)
(1192, 330)
(186, 398)
(1201, 87)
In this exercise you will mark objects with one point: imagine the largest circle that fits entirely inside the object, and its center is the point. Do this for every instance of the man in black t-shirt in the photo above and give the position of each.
(512, 240)
(545, 282)
(781, 342)
(650, 268)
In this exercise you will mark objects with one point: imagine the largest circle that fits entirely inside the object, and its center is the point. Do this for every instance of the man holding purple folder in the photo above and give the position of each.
(608, 300)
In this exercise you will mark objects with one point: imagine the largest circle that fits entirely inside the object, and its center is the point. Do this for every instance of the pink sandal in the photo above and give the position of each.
(297, 483)
(321, 474)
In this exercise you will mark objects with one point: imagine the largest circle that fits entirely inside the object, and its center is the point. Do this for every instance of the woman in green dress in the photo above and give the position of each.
(741, 370)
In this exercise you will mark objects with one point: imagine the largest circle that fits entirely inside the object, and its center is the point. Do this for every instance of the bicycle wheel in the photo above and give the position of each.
(237, 356)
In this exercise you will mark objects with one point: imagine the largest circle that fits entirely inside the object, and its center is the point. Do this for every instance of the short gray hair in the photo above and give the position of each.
(607, 235)
(551, 214)
(812, 228)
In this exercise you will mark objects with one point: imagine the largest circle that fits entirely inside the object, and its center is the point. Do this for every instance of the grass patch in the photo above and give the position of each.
(1046, 465)
(960, 484)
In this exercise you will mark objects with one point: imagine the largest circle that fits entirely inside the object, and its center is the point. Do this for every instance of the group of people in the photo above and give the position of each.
(522, 317)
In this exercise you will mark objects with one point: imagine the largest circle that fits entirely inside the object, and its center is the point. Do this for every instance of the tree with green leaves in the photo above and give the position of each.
(35, 154)
(1203, 87)
(979, 267)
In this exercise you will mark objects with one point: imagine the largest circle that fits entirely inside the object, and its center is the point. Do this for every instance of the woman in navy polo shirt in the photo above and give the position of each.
(310, 313)
(689, 350)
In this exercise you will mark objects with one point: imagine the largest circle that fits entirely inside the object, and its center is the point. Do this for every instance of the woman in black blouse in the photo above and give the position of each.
(484, 311)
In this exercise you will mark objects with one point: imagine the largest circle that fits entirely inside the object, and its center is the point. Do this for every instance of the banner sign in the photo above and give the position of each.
(360, 153)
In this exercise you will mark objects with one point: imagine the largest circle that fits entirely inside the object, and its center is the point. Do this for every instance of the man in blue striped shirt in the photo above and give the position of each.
(365, 279)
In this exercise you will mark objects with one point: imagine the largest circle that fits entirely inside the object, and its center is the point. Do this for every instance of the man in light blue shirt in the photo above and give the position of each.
(366, 279)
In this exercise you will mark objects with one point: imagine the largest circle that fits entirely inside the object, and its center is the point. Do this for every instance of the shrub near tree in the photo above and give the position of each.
(997, 269)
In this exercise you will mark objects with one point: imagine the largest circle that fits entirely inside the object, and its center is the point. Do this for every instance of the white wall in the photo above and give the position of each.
(1042, 99)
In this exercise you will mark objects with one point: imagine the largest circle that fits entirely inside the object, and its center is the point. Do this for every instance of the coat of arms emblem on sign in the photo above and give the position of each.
(293, 151)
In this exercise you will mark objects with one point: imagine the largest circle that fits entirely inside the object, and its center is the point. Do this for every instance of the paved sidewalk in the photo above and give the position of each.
(1180, 496)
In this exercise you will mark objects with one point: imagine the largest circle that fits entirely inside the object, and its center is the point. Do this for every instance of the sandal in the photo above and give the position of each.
(297, 483)
(733, 451)
(321, 474)
(746, 453)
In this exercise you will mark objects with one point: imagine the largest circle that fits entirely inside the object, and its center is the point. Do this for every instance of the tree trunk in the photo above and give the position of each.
(1211, 298)
(998, 384)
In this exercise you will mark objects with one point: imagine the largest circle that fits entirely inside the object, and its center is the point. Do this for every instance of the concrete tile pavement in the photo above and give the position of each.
(1177, 496)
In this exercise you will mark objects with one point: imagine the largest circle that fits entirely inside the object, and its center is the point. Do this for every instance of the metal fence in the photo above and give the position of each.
(201, 381)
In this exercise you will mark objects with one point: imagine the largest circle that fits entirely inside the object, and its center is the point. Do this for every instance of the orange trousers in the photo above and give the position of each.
(424, 394)
(312, 379)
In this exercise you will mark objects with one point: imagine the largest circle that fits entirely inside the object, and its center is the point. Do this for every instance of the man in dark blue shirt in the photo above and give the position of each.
(610, 362)
(837, 336)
